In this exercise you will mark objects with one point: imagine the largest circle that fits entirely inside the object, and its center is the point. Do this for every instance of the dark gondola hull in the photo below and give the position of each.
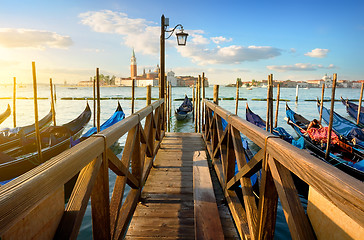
(185, 111)
(11, 167)
(352, 110)
(317, 149)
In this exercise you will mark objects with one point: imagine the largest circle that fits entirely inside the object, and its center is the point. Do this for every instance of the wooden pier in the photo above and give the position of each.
(172, 194)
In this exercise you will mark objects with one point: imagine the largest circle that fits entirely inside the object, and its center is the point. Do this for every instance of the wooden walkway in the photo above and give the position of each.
(166, 210)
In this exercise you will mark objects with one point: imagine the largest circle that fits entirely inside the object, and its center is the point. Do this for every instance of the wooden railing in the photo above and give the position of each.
(92, 158)
(255, 217)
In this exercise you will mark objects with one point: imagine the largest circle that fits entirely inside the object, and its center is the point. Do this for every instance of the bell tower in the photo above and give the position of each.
(133, 66)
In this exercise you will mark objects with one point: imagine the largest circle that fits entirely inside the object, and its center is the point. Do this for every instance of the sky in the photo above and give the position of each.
(68, 40)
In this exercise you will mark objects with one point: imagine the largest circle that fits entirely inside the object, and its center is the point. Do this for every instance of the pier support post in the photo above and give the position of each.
(327, 154)
(132, 95)
(237, 97)
(216, 94)
(52, 103)
(94, 101)
(14, 103)
(322, 101)
(277, 106)
(149, 95)
(98, 100)
(36, 123)
(203, 97)
(360, 100)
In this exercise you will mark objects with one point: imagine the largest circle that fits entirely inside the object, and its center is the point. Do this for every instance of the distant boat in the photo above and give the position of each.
(249, 88)
(185, 110)
(72, 88)
(264, 86)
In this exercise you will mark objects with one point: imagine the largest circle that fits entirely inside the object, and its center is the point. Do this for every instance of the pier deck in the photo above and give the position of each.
(167, 204)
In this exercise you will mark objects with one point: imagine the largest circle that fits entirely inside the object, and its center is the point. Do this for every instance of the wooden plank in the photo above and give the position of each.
(41, 222)
(296, 218)
(267, 205)
(328, 221)
(77, 204)
(207, 225)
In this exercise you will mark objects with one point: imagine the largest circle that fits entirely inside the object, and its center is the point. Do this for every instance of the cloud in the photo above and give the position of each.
(137, 33)
(318, 53)
(299, 67)
(221, 39)
(143, 36)
(30, 38)
(227, 55)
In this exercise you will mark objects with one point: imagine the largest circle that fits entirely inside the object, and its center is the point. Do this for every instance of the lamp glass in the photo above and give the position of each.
(181, 38)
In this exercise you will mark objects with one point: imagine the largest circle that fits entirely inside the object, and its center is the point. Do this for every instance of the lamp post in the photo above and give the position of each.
(181, 40)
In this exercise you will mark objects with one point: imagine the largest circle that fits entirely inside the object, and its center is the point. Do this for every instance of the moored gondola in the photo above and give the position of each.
(54, 141)
(5, 114)
(341, 156)
(184, 111)
(352, 110)
(348, 131)
(11, 137)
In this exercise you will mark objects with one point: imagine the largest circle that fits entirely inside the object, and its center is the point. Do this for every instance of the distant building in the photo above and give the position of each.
(189, 81)
(327, 80)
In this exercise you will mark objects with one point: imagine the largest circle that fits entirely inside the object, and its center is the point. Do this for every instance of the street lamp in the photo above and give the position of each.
(181, 40)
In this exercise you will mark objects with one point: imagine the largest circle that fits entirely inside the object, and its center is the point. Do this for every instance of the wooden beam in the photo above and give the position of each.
(207, 222)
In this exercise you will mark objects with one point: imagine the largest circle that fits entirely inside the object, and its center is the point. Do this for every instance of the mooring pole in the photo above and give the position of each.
(55, 94)
(271, 104)
(237, 97)
(203, 97)
(360, 99)
(52, 103)
(277, 107)
(327, 154)
(199, 104)
(94, 98)
(193, 102)
(132, 95)
(170, 106)
(149, 95)
(216, 94)
(98, 99)
(14, 102)
(36, 123)
(267, 122)
(297, 93)
(322, 101)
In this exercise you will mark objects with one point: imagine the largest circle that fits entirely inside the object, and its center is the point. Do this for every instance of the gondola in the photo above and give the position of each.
(184, 111)
(352, 109)
(5, 114)
(11, 137)
(258, 121)
(116, 117)
(346, 129)
(55, 140)
(342, 158)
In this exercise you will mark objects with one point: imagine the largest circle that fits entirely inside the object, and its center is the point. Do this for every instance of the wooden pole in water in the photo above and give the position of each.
(203, 97)
(199, 102)
(268, 105)
(132, 95)
(98, 100)
(52, 103)
(237, 98)
(167, 104)
(149, 95)
(193, 102)
(361, 98)
(170, 105)
(216, 94)
(94, 95)
(14, 102)
(297, 93)
(322, 101)
(277, 107)
(271, 104)
(196, 107)
(55, 94)
(327, 154)
(36, 123)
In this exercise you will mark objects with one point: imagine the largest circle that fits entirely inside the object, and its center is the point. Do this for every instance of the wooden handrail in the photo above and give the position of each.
(23, 193)
(339, 188)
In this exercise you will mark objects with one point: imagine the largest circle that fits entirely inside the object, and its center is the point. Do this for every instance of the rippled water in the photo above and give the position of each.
(67, 110)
